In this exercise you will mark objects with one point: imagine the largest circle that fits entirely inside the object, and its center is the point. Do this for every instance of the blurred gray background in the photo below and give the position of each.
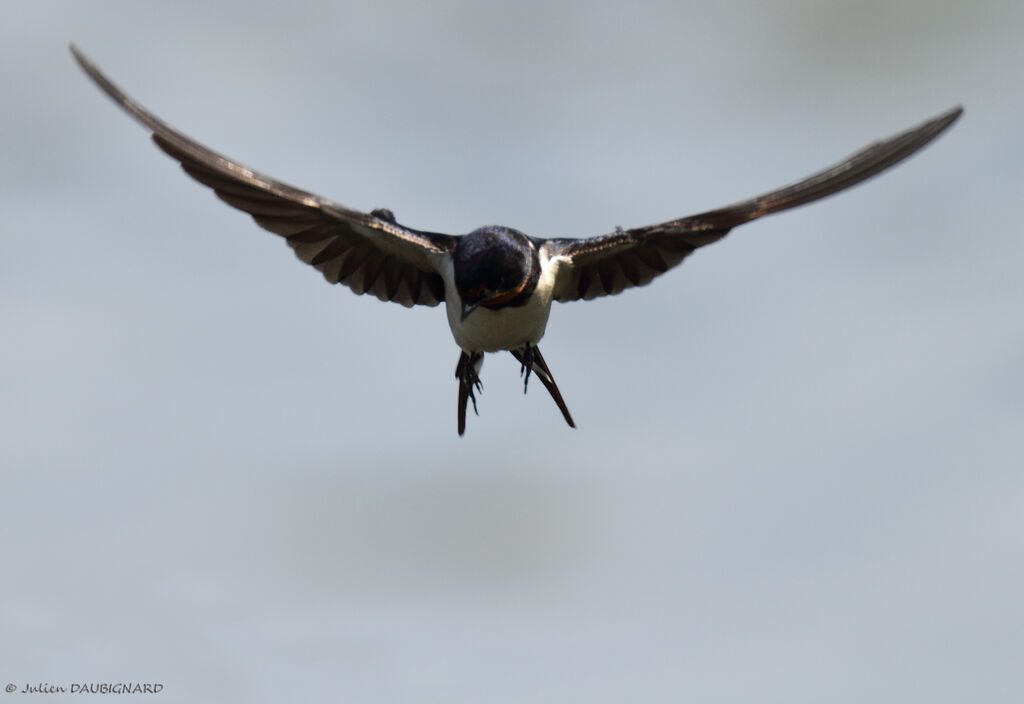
(798, 470)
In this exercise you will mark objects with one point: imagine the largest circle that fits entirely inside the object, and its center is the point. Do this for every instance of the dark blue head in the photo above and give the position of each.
(495, 267)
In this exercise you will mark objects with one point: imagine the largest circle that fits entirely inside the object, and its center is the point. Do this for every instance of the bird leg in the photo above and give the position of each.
(530, 358)
(467, 371)
(526, 365)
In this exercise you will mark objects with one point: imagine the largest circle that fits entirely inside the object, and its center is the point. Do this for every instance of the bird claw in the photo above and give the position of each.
(468, 373)
(526, 366)
(531, 359)
(479, 386)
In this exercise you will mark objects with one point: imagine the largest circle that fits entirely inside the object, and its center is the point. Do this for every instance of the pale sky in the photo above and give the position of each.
(796, 475)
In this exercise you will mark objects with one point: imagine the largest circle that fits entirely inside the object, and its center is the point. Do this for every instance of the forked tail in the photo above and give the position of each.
(532, 360)
(467, 371)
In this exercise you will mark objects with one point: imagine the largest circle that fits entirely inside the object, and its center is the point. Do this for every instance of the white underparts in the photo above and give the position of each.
(510, 328)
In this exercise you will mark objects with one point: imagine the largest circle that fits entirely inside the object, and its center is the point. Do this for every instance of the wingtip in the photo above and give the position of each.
(79, 56)
(941, 122)
(950, 116)
(93, 72)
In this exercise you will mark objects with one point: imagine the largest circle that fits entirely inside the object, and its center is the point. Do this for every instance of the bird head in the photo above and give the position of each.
(495, 267)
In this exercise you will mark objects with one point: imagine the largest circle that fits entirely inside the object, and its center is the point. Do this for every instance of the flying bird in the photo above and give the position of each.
(496, 282)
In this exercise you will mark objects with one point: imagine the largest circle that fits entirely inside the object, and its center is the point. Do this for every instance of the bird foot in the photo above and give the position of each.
(531, 359)
(526, 358)
(467, 371)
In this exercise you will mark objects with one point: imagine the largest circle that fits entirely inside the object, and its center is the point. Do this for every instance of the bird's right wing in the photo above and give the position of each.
(368, 252)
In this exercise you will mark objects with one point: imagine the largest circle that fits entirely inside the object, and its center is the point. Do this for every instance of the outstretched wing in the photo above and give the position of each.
(606, 265)
(368, 252)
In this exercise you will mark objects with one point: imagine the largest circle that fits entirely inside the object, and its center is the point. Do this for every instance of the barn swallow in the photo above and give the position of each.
(497, 283)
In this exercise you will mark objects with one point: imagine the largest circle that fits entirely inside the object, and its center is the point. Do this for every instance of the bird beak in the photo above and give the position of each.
(467, 308)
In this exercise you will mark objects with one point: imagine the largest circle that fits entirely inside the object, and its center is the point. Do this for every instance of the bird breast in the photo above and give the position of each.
(508, 328)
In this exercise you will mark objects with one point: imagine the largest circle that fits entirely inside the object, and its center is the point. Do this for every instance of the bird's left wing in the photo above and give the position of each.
(606, 265)
(368, 252)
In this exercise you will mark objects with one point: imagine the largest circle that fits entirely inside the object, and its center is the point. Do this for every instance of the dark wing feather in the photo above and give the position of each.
(606, 265)
(368, 252)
